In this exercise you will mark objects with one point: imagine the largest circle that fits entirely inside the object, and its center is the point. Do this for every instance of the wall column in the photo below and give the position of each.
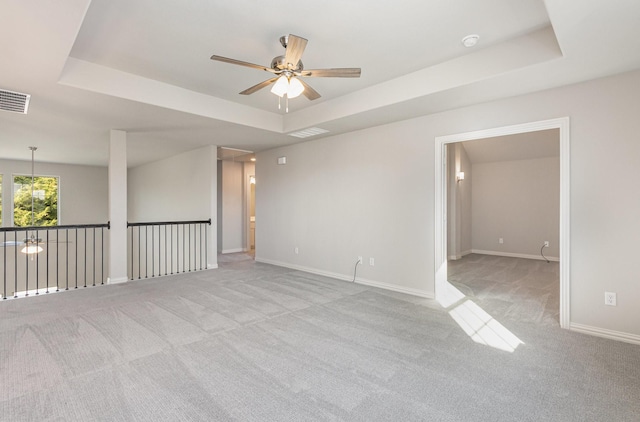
(214, 206)
(118, 207)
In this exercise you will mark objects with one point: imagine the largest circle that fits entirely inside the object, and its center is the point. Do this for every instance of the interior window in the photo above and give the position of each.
(39, 208)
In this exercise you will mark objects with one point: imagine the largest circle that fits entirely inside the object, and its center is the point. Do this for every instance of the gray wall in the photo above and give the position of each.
(83, 190)
(371, 193)
(518, 201)
(232, 228)
(459, 202)
(176, 188)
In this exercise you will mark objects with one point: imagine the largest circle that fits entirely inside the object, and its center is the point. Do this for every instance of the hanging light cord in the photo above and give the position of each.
(33, 150)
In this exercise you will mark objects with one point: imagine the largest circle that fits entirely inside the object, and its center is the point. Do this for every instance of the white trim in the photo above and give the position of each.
(440, 222)
(372, 283)
(117, 280)
(462, 254)
(515, 255)
(212, 266)
(603, 332)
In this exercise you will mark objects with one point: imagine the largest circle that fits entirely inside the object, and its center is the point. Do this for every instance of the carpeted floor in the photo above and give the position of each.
(254, 342)
(511, 288)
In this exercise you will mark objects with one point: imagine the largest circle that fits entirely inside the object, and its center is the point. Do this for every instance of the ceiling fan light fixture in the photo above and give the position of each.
(31, 247)
(281, 86)
(295, 88)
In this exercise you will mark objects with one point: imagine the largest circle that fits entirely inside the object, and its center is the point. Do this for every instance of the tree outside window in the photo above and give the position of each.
(45, 201)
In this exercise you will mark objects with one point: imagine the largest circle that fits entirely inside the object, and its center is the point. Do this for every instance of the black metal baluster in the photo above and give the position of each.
(85, 257)
(76, 258)
(203, 247)
(47, 291)
(184, 250)
(15, 264)
(57, 260)
(37, 264)
(4, 278)
(26, 259)
(66, 242)
(139, 254)
(131, 249)
(171, 243)
(159, 250)
(94, 256)
(206, 246)
(146, 251)
(153, 251)
(102, 254)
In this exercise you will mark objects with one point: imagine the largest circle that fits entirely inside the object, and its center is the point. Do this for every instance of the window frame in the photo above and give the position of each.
(13, 194)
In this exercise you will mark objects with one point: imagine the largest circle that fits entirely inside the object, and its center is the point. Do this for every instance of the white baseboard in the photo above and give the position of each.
(603, 332)
(212, 266)
(514, 255)
(372, 283)
(462, 254)
(117, 280)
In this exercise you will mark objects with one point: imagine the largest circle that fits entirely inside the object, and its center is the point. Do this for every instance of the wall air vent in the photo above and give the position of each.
(312, 131)
(14, 101)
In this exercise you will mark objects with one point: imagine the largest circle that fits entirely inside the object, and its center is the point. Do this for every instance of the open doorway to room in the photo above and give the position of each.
(503, 224)
(236, 204)
(494, 262)
(251, 214)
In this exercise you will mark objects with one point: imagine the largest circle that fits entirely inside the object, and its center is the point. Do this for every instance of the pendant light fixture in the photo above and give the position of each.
(31, 244)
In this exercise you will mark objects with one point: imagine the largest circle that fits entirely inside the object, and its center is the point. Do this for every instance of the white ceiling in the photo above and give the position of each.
(143, 66)
(522, 146)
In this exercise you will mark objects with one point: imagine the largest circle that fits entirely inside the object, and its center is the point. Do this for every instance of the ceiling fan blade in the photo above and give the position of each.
(309, 92)
(241, 63)
(347, 72)
(259, 86)
(294, 50)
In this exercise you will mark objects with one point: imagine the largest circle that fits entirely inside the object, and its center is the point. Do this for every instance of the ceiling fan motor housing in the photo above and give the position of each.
(279, 63)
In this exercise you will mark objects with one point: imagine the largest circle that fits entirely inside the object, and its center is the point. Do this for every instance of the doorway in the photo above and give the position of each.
(441, 252)
(251, 211)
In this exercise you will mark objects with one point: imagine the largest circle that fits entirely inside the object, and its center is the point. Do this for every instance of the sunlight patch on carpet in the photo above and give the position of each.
(483, 328)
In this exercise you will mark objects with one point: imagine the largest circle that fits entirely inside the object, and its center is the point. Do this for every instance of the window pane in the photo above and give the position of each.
(45, 201)
(0, 200)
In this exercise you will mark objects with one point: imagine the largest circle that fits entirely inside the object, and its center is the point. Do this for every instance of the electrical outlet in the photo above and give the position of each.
(360, 260)
(296, 250)
(546, 243)
(500, 240)
(609, 298)
(372, 262)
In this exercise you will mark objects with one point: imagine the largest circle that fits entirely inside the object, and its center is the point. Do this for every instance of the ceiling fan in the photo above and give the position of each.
(289, 70)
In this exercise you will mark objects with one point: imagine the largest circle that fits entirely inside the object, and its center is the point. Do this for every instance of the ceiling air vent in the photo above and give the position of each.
(312, 131)
(14, 101)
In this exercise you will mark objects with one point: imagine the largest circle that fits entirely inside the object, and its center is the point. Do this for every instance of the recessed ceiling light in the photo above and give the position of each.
(470, 40)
